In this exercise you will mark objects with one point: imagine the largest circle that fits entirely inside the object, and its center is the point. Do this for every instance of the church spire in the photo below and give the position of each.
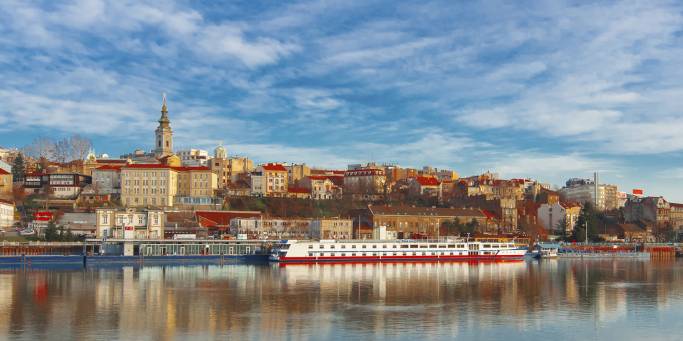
(164, 111)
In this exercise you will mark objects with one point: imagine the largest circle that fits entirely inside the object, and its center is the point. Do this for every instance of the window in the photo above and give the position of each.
(310, 254)
(365, 246)
(310, 246)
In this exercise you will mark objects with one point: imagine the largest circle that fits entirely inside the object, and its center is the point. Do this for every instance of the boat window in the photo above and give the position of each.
(433, 246)
(353, 246)
(405, 253)
(310, 246)
(322, 247)
(365, 246)
(343, 254)
(363, 253)
(384, 246)
(374, 246)
(310, 254)
(451, 246)
(404, 246)
(461, 246)
(353, 254)
(486, 246)
(343, 246)
(413, 246)
(331, 246)
(423, 246)
(394, 246)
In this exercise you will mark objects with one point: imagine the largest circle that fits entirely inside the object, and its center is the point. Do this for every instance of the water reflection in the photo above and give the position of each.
(559, 299)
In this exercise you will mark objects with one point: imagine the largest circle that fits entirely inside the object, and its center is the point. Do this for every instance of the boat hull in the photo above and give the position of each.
(395, 259)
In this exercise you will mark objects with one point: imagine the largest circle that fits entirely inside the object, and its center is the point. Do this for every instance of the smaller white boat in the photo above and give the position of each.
(546, 250)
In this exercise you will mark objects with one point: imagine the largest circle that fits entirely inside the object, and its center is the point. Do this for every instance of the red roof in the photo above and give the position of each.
(111, 161)
(147, 166)
(427, 181)
(318, 177)
(110, 167)
(215, 219)
(298, 190)
(6, 202)
(489, 214)
(197, 168)
(3, 172)
(274, 167)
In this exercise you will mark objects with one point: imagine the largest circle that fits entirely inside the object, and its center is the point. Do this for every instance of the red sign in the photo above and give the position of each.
(42, 216)
(637, 191)
(129, 228)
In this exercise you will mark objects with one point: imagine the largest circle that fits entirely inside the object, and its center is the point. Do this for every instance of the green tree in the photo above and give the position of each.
(51, 232)
(18, 168)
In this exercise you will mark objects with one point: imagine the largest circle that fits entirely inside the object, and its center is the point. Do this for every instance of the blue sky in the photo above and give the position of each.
(547, 90)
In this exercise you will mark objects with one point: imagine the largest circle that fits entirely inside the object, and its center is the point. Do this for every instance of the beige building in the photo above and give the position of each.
(270, 180)
(559, 217)
(5, 183)
(296, 173)
(107, 179)
(6, 214)
(129, 223)
(365, 182)
(413, 222)
(265, 228)
(322, 187)
(156, 185)
(331, 228)
(584, 191)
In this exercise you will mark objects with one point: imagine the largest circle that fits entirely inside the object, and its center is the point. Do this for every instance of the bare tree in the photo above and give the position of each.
(80, 146)
(41, 148)
(62, 150)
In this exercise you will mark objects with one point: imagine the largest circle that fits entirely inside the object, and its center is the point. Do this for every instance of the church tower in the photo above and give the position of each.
(164, 134)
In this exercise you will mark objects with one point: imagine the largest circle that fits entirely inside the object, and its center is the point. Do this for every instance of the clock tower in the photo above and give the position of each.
(163, 145)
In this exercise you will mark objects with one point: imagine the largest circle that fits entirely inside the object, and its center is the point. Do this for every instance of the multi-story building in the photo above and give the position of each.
(6, 214)
(60, 186)
(157, 185)
(654, 210)
(271, 228)
(584, 191)
(152, 185)
(365, 183)
(5, 182)
(193, 157)
(425, 185)
(107, 179)
(129, 223)
(676, 216)
(322, 187)
(559, 217)
(296, 173)
(412, 222)
(331, 228)
(270, 179)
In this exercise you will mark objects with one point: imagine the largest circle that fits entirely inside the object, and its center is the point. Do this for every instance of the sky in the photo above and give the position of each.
(541, 89)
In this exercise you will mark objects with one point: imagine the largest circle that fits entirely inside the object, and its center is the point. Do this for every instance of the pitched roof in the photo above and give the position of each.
(147, 166)
(111, 161)
(214, 219)
(109, 167)
(275, 167)
(3, 172)
(6, 202)
(427, 181)
(194, 168)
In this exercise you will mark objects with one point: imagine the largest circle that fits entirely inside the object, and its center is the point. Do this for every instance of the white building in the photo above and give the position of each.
(552, 217)
(107, 180)
(129, 223)
(584, 191)
(6, 214)
(193, 157)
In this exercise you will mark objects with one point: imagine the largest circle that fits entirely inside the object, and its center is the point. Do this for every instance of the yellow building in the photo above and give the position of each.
(270, 180)
(158, 185)
(5, 183)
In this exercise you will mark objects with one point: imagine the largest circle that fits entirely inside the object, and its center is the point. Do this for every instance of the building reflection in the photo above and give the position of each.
(312, 301)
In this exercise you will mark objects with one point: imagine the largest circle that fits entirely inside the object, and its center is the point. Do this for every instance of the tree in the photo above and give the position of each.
(80, 146)
(18, 168)
(62, 151)
(51, 233)
(41, 148)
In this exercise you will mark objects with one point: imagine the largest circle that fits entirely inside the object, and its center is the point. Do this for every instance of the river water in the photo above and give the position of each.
(547, 300)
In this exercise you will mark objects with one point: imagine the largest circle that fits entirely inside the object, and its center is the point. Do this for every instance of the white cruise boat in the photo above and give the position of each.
(393, 251)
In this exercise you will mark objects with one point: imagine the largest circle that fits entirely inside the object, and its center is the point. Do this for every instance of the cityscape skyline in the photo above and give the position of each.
(539, 95)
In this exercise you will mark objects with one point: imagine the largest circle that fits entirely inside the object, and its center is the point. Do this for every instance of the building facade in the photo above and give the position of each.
(6, 214)
(270, 179)
(559, 217)
(413, 222)
(331, 228)
(129, 223)
(367, 183)
(157, 185)
(584, 191)
(6, 182)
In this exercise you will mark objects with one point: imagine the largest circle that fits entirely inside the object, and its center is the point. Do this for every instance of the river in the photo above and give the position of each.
(546, 300)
